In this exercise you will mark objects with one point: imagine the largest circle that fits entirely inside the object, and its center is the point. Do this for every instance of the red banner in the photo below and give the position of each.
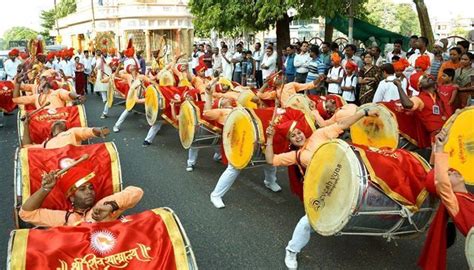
(409, 125)
(6, 96)
(149, 240)
(401, 174)
(40, 123)
(36, 161)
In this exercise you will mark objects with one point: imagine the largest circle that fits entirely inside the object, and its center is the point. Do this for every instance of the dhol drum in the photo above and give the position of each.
(194, 131)
(30, 163)
(469, 249)
(159, 242)
(301, 102)
(460, 145)
(40, 122)
(166, 78)
(340, 197)
(135, 92)
(6, 96)
(246, 99)
(378, 132)
(154, 104)
(118, 88)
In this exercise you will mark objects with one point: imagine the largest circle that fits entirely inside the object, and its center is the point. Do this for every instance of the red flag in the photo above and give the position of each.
(40, 123)
(6, 96)
(36, 161)
(149, 240)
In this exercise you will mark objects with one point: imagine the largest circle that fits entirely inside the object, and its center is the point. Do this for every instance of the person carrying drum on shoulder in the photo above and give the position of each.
(295, 128)
(77, 184)
(131, 77)
(45, 93)
(331, 110)
(456, 201)
(284, 91)
(62, 136)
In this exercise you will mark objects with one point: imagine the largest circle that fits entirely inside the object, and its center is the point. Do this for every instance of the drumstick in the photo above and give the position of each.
(75, 163)
(23, 118)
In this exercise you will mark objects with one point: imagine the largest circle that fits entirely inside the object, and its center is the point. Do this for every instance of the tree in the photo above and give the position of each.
(18, 33)
(424, 18)
(49, 17)
(397, 18)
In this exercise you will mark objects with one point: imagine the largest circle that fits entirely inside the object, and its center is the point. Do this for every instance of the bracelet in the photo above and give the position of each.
(45, 189)
(114, 205)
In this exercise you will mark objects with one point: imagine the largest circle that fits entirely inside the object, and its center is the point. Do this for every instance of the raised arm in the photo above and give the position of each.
(404, 99)
(347, 122)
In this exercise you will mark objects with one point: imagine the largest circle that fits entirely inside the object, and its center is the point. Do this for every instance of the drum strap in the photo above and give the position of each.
(300, 167)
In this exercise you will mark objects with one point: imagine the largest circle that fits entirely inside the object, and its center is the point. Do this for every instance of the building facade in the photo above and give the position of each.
(164, 25)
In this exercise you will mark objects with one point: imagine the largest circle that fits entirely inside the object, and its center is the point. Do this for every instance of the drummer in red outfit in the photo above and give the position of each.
(429, 108)
(294, 127)
(456, 201)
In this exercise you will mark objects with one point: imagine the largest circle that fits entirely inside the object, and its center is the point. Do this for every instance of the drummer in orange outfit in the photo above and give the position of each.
(293, 125)
(284, 91)
(62, 136)
(78, 186)
(457, 202)
(46, 93)
(130, 76)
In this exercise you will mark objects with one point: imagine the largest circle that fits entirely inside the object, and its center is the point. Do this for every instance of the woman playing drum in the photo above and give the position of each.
(457, 202)
(294, 127)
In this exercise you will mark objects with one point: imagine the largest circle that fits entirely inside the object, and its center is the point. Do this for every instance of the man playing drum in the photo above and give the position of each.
(62, 136)
(46, 93)
(294, 130)
(77, 184)
(132, 77)
(456, 201)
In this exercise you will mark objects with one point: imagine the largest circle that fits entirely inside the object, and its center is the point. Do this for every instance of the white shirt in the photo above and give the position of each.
(217, 62)
(87, 62)
(11, 68)
(349, 81)
(238, 57)
(56, 65)
(270, 62)
(227, 68)
(335, 73)
(195, 59)
(386, 91)
(380, 61)
(67, 67)
(258, 57)
(301, 62)
(402, 54)
(415, 56)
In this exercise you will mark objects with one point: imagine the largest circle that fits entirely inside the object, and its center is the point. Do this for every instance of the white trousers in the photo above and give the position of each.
(103, 95)
(122, 118)
(230, 174)
(301, 235)
(193, 154)
(153, 131)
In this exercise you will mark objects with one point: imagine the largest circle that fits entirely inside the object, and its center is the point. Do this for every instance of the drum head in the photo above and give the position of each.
(152, 105)
(187, 122)
(239, 137)
(460, 145)
(331, 187)
(245, 99)
(166, 78)
(111, 92)
(132, 97)
(379, 132)
(470, 248)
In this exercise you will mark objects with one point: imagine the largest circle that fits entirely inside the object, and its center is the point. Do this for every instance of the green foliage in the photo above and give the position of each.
(48, 17)
(398, 18)
(229, 17)
(18, 33)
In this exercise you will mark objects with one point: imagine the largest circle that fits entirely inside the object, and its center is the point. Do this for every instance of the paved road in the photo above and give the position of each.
(250, 233)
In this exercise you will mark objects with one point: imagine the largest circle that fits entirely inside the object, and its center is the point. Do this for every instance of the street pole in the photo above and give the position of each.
(93, 16)
(351, 22)
(56, 17)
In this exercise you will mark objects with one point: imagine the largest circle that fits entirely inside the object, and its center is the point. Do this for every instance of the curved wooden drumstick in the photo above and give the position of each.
(23, 118)
(75, 163)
